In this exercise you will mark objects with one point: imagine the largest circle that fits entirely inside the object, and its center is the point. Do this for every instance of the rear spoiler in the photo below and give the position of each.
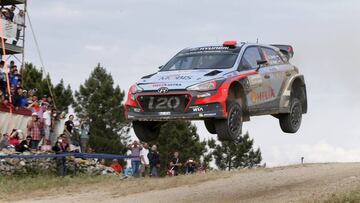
(287, 50)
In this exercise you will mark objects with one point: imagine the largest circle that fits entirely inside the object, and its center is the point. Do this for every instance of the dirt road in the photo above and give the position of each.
(283, 184)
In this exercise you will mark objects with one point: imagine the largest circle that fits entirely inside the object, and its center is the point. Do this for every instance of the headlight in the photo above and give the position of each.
(205, 86)
(136, 89)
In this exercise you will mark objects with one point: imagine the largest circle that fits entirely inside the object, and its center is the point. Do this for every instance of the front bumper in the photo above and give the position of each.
(194, 109)
(198, 112)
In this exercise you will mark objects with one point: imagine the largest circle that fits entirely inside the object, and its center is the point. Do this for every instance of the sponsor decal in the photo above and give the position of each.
(164, 85)
(164, 113)
(197, 108)
(176, 77)
(263, 95)
(209, 114)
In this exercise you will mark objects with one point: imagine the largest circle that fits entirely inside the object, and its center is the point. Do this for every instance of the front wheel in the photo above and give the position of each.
(231, 127)
(147, 130)
(290, 122)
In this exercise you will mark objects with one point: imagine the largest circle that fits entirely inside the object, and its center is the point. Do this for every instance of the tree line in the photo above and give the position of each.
(101, 100)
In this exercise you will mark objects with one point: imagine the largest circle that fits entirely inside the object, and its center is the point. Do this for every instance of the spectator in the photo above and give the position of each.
(6, 14)
(103, 162)
(61, 146)
(4, 142)
(135, 160)
(24, 145)
(84, 134)
(33, 127)
(50, 101)
(59, 127)
(175, 164)
(154, 161)
(69, 130)
(11, 12)
(36, 107)
(20, 21)
(14, 138)
(52, 130)
(46, 147)
(47, 122)
(145, 168)
(116, 166)
(128, 169)
(190, 166)
(19, 100)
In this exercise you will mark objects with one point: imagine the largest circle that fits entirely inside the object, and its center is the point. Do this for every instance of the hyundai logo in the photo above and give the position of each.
(163, 90)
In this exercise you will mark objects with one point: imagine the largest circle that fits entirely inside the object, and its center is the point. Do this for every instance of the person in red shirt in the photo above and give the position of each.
(14, 138)
(116, 166)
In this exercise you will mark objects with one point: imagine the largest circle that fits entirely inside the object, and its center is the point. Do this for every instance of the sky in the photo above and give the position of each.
(132, 38)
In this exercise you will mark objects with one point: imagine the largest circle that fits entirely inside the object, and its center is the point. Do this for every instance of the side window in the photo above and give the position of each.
(271, 56)
(250, 58)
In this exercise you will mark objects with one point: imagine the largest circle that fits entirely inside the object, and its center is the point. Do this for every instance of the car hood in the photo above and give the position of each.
(180, 79)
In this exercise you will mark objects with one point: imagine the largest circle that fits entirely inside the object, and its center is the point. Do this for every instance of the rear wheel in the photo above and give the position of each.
(147, 130)
(210, 126)
(290, 122)
(231, 127)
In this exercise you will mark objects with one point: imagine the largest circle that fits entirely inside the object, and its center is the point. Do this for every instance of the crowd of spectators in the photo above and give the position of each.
(8, 13)
(145, 161)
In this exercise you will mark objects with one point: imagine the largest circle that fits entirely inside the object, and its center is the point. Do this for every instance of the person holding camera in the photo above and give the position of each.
(33, 128)
(135, 160)
(61, 146)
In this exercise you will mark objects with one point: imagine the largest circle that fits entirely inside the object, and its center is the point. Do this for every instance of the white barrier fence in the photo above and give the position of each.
(12, 121)
(8, 30)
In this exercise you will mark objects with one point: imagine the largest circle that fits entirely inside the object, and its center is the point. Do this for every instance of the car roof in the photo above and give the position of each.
(239, 45)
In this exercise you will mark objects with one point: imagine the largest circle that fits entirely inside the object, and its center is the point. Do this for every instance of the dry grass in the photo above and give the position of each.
(349, 197)
(16, 187)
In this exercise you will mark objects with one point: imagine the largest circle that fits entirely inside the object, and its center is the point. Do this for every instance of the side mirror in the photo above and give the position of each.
(160, 67)
(260, 63)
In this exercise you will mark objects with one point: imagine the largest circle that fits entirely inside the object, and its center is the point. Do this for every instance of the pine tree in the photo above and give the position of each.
(63, 96)
(179, 136)
(101, 102)
(238, 153)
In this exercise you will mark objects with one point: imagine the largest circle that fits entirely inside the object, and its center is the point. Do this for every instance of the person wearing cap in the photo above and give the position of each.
(33, 128)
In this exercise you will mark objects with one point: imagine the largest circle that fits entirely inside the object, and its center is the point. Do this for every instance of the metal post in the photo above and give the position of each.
(23, 42)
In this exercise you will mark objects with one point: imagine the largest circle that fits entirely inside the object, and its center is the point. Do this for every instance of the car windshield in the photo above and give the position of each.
(201, 61)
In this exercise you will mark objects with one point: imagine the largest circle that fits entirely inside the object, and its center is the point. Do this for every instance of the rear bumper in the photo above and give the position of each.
(193, 112)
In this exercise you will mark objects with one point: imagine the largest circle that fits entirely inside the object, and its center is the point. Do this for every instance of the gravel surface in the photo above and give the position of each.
(282, 184)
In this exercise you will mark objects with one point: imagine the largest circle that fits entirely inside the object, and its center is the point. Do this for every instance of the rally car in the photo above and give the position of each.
(223, 85)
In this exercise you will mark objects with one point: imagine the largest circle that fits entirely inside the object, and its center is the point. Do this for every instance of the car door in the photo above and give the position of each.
(248, 62)
(274, 74)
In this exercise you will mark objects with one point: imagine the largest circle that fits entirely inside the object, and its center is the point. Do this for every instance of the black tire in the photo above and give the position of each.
(290, 122)
(231, 127)
(210, 126)
(147, 130)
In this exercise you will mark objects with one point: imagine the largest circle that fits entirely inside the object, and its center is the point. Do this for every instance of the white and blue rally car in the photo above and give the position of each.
(222, 85)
